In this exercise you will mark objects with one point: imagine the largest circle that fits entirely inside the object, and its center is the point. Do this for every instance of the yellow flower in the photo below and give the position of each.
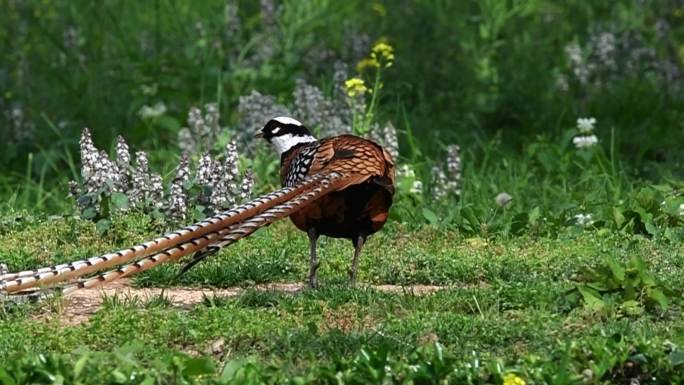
(379, 9)
(355, 87)
(367, 63)
(513, 379)
(383, 53)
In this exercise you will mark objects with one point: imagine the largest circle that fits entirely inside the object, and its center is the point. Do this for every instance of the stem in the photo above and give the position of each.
(371, 107)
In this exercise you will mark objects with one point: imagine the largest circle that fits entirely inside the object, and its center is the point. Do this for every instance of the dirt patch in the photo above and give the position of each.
(77, 307)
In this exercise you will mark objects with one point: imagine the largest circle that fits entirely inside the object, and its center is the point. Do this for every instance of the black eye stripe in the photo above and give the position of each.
(275, 128)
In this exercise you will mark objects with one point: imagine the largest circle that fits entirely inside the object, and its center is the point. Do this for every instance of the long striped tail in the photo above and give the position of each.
(215, 240)
(193, 238)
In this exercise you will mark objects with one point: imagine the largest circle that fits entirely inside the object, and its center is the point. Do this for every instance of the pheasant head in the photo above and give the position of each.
(285, 133)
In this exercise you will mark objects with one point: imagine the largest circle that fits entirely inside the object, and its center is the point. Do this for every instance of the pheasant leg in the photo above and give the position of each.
(313, 238)
(358, 245)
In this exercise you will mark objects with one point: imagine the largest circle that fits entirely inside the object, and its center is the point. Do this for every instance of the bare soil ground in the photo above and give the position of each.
(77, 307)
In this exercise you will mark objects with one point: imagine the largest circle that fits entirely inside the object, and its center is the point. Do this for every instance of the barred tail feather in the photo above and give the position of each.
(13, 282)
(217, 240)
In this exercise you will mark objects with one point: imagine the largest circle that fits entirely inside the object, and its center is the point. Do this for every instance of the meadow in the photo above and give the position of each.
(536, 234)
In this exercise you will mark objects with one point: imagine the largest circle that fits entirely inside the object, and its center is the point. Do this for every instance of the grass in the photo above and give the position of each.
(503, 298)
(501, 81)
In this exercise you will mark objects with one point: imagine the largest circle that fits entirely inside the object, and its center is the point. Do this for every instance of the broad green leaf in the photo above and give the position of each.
(231, 369)
(198, 366)
(658, 296)
(632, 307)
(677, 357)
(591, 298)
(103, 225)
(430, 216)
(80, 364)
(618, 217)
(89, 213)
(617, 270)
(5, 378)
(119, 201)
(535, 214)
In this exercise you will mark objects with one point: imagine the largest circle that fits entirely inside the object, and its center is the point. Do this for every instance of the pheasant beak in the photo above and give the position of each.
(259, 134)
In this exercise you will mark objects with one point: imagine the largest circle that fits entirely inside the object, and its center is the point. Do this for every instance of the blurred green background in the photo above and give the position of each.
(504, 79)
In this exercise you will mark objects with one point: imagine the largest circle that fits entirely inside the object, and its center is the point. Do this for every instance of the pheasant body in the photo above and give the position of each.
(360, 207)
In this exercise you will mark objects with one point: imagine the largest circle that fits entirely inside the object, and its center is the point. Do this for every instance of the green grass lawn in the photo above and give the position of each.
(504, 300)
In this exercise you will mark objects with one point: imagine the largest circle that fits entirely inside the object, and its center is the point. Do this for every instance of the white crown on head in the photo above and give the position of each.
(287, 120)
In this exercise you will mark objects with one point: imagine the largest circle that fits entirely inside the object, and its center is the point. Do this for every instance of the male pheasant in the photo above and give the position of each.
(340, 186)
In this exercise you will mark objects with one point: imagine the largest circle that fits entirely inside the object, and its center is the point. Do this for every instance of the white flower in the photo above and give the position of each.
(417, 187)
(681, 209)
(585, 125)
(151, 112)
(583, 220)
(585, 141)
(406, 171)
(503, 199)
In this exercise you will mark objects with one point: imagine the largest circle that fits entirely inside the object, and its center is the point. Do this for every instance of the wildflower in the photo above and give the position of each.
(390, 140)
(379, 9)
(247, 185)
(232, 20)
(231, 165)
(183, 170)
(584, 220)
(439, 182)
(406, 171)
(359, 44)
(416, 187)
(580, 68)
(202, 130)
(268, 14)
(150, 90)
(186, 142)
(211, 120)
(98, 172)
(74, 190)
(123, 157)
(383, 53)
(454, 169)
(585, 125)
(155, 190)
(503, 199)
(19, 129)
(89, 155)
(355, 87)
(177, 206)
(585, 141)
(340, 75)
(230, 172)
(150, 112)
(205, 171)
(605, 48)
(513, 379)
(219, 196)
(123, 160)
(311, 105)
(141, 180)
(367, 63)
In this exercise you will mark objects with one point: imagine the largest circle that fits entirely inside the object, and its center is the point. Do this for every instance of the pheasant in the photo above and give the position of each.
(340, 186)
